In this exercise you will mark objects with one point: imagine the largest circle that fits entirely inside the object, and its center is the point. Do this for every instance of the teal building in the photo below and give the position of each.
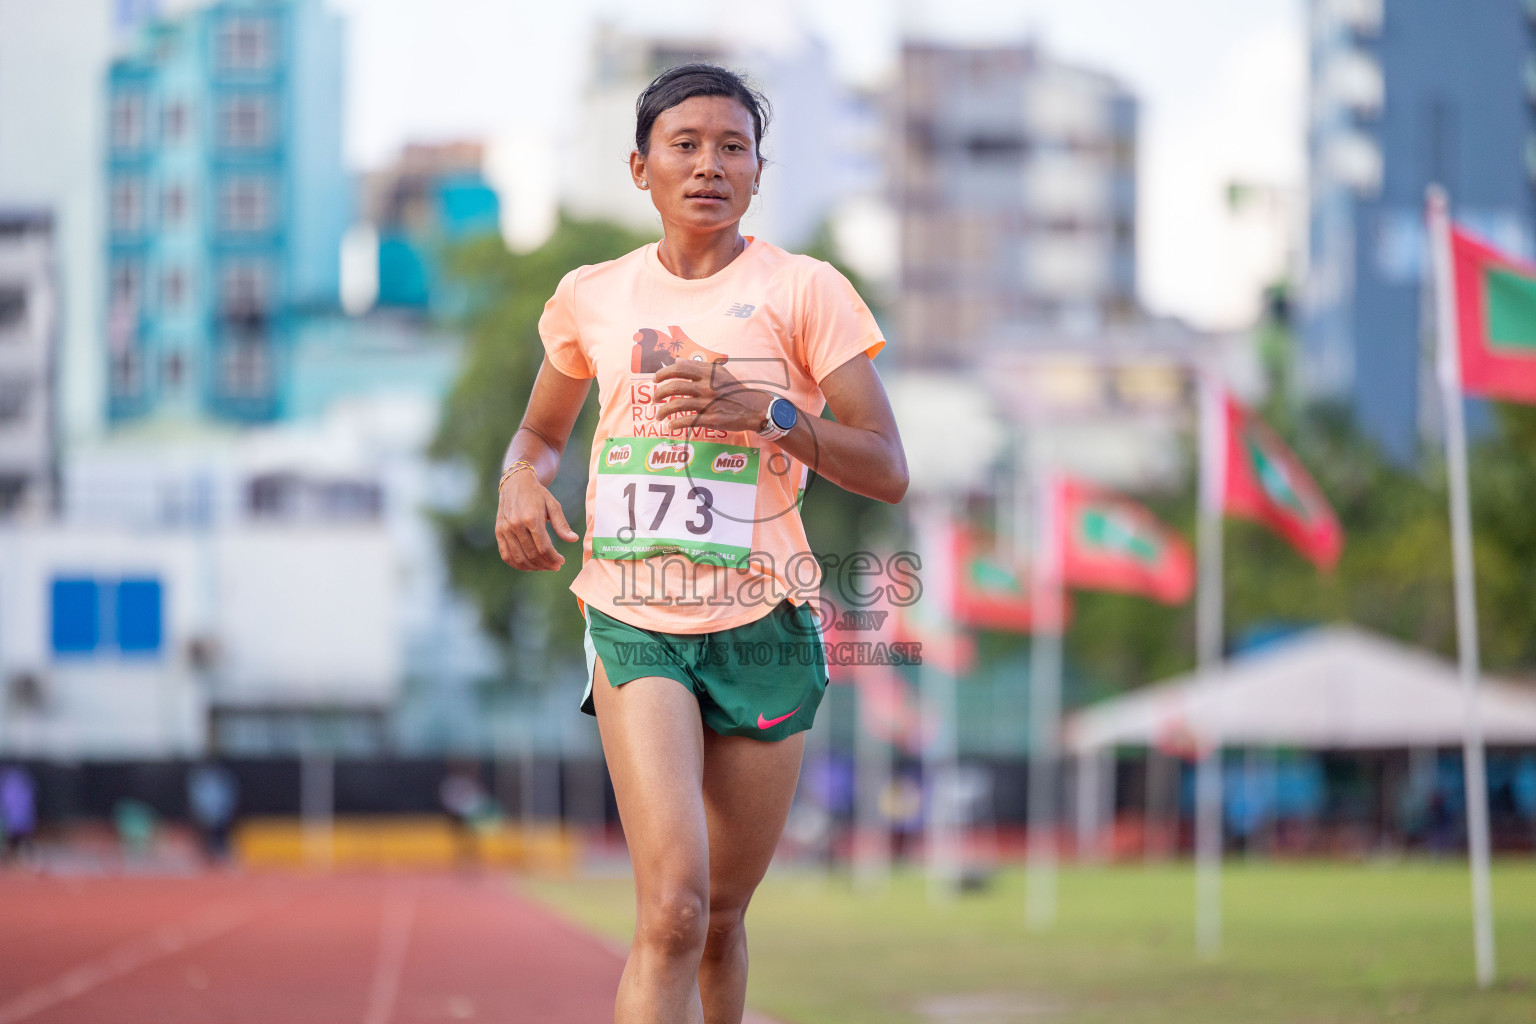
(227, 199)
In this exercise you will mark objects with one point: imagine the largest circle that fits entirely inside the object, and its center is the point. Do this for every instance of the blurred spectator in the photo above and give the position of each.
(18, 811)
(212, 795)
(135, 822)
(902, 807)
(467, 805)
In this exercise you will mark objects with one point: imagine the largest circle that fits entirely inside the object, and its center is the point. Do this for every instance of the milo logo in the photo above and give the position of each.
(669, 456)
(730, 462)
(619, 454)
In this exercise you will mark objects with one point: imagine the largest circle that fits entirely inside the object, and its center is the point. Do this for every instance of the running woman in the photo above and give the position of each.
(714, 356)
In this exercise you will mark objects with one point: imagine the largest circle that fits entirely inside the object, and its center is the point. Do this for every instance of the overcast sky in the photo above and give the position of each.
(1221, 84)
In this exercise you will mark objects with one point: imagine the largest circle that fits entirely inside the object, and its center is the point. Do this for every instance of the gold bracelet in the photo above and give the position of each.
(519, 464)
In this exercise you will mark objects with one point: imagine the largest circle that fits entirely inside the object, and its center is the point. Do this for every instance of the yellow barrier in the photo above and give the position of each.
(402, 842)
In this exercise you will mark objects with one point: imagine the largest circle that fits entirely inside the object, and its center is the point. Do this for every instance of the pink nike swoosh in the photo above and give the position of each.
(769, 723)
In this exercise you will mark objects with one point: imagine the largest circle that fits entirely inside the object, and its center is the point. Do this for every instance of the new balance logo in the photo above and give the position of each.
(741, 310)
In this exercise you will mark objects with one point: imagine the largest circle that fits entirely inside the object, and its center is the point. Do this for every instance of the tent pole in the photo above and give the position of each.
(1466, 597)
(1044, 701)
(1208, 826)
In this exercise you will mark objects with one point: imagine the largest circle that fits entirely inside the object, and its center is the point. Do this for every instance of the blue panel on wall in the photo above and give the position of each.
(76, 616)
(138, 616)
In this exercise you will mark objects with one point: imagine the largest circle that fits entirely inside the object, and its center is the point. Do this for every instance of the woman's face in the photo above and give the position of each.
(703, 164)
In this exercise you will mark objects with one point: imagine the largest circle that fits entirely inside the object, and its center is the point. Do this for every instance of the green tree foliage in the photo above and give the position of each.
(507, 295)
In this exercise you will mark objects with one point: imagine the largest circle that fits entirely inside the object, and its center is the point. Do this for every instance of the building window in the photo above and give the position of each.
(176, 122)
(245, 122)
(15, 397)
(127, 205)
(174, 206)
(125, 284)
(245, 44)
(123, 325)
(13, 307)
(127, 121)
(174, 369)
(126, 373)
(173, 288)
(246, 368)
(245, 290)
(245, 204)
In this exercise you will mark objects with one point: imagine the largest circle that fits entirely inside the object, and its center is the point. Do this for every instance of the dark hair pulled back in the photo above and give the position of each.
(686, 81)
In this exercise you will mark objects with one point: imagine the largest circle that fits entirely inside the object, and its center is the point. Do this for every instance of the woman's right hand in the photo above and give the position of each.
(523, 509)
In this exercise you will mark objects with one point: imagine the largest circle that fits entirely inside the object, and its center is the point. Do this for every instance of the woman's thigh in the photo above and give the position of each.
(653, 741)
(749, 785)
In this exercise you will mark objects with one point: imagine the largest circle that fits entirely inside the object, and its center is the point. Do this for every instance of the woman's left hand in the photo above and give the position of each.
(698, 394)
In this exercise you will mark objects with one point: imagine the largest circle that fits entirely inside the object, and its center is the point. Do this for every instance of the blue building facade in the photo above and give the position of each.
(1406, 93)
(433, 197)
(227, 200)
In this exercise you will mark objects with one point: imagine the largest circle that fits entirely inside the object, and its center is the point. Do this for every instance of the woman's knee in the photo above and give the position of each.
(727, 925)
(674, 921)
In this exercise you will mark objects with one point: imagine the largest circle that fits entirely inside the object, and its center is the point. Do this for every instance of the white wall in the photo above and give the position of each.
(308, 615)
(301, 616)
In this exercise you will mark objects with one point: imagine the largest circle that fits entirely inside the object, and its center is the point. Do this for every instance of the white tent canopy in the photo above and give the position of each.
(1332, 688)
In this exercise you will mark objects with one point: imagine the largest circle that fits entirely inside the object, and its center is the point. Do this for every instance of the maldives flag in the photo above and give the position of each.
(1110, 543)
(1264, 481)
(991, 592)
(1495, 319)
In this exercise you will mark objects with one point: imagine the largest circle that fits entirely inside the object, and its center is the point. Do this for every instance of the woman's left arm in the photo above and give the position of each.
(860, 451)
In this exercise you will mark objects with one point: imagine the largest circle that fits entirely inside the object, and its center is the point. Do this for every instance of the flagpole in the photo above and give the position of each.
(1475, 772)
(1044, 697)
(872, 778)
(1208, 823)
(936, 685)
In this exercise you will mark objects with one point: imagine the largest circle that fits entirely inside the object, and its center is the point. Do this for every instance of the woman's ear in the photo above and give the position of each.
(637, 169)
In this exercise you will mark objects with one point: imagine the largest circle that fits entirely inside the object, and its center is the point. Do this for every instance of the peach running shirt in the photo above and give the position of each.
(698, 530)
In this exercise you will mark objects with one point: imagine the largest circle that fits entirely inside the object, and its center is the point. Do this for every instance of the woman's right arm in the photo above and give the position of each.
(525, 504)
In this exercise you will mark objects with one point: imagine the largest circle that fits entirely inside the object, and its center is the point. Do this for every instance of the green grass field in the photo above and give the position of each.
(1314, 943)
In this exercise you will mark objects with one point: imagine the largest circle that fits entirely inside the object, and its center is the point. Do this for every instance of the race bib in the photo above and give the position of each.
(657, 496)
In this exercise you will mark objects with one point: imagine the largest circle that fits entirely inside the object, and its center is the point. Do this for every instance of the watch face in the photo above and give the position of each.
(783, 413)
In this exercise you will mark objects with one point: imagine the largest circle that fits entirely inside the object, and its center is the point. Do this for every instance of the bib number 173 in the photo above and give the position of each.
(694, 498)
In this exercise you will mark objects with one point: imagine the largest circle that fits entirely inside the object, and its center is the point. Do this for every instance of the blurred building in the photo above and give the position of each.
(822, 146)
(226, 204)
(29, 335)
(1405, 93)
(432, 197)
(346, 472)
(251, 638)
(53, 57)
(1016, 186)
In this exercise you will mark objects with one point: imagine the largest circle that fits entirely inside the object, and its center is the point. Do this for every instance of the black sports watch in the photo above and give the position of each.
(781, 419)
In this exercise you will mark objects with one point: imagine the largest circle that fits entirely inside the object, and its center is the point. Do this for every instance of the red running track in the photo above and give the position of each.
(275, 949)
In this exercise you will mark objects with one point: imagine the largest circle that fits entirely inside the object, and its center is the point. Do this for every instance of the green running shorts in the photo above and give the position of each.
(763, 679)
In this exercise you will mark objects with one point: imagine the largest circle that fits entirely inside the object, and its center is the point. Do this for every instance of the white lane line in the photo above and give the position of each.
(394, 938)
(128, 957)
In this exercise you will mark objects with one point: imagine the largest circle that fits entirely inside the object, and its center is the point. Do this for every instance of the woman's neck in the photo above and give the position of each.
(692, 256)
